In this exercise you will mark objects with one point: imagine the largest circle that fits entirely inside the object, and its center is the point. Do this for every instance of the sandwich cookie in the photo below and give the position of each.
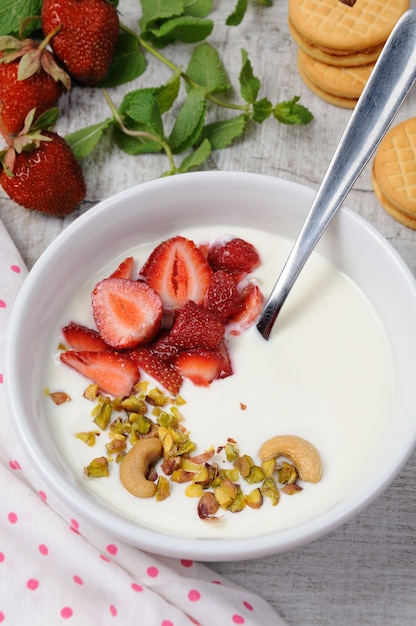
(394, 173)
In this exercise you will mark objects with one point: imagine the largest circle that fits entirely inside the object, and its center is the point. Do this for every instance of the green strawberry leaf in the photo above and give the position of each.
(128, 62)
(154, 12)
(207, 69)
(290, 112)
(262, 109)
(83, 141)
(189, 121)
(198, 8)
(14, 12)
(48, 119)
(236, 17)
(186, 29)
(196, 158)
(222, 134)
(249, 84)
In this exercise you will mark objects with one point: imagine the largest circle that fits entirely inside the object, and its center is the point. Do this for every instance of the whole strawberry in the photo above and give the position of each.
(86, 40)
(29, 79)
(47, 178)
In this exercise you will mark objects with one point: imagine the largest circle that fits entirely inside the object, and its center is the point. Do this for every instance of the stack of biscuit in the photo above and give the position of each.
(394, 173)
(339, 44)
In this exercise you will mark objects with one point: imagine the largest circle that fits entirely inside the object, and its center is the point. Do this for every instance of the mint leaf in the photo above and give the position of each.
(186, 28)
(236, 17)
(249, 84)
(262, 109)
(166, 94)
(128, 62)
(82, 142)
(265, 3)
(153, 12)
(291, 112)
(140, 111)
(13, 12)
(189, 122)
(221, 134)
(207, 69)
(198, 8)
(196, 158)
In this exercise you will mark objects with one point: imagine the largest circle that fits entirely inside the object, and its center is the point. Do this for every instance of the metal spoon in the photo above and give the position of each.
(387, 87)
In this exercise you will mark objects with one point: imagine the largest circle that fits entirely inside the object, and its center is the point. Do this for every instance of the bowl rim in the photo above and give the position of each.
(127, 530)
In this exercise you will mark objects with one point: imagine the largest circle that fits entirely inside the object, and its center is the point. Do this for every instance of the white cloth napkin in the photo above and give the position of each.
(56, 568)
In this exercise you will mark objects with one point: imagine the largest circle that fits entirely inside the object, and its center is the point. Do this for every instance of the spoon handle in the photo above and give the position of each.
(387, 87)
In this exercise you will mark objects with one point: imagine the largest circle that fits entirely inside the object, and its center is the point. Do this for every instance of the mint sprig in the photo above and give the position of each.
(138, 124)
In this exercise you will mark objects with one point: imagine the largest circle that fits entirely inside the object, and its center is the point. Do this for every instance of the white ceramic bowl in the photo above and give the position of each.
(150, 212)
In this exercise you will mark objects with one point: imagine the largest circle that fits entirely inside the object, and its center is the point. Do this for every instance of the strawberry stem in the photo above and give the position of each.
(140, 134)
(48, 37)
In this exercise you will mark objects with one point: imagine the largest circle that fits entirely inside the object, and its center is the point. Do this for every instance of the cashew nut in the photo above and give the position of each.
(134, 466)
(303, 455)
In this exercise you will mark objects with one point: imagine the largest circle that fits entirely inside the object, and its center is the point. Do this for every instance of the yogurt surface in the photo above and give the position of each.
(326, 374)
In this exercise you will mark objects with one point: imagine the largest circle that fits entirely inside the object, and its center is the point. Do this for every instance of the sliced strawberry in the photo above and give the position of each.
(125, 269)
(235, 255)
(164, 373)
(199, 365)
(79, 337)
(252, 300)
(222, 295)
(163, 348)
(114, 373)
(127, 313)
(178, 271)
(227, 368)
(196, 327)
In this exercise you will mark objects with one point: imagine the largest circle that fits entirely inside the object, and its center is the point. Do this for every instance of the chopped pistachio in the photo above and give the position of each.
(156, 397)
(269, 467)
(140, 423)
(231, 450)
(225, 493)
(238, 503)
(170, 464)
(133, 404)
(91, 392)
(194, 491)
(180, 401)
(87, 437)
(291, 489)
(116, 445)
(206, 475)
(103, 415)
(231, 473)
(255, 475)
(97, 468)
(208, 506)
(182, 476)
(162, 489)
(269, 490)
(254, 499)
(244, 464)
(287, 473)
(142, 387)
(59, 397)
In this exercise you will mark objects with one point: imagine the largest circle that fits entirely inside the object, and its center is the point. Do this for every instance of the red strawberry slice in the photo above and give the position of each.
(222, 295)
(199, 365)
(227, 368)
(178, 271)
(125, 269)
(196, 327)
(79, 337)
(252, 300)
(114, 373)
(127, 313)
(235, 255)
(164, 373)
(163, 348)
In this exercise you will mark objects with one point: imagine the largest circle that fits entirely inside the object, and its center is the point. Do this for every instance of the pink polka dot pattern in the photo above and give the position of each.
(112, 549)
(77, 580)
(32, 584)
(2, 557)
(167, 622)
(66, 612)
(1, 378)
(152, 571)
(248, 606)
(2, 304)
(194, 595)
(15, 268)
(186, 563)
(42, 495)
(136, 587)
(113, 610)
(2, 617)
(12, 517)
(43, 549)
(238, 619)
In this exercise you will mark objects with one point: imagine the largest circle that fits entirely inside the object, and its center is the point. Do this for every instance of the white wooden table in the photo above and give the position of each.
(364, 572)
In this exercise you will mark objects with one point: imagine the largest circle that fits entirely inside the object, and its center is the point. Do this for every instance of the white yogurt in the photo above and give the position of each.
(326, 374)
